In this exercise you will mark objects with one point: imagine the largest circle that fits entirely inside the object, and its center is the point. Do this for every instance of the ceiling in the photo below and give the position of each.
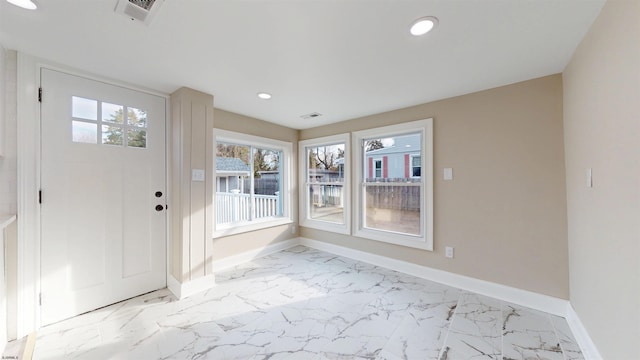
(341, 58)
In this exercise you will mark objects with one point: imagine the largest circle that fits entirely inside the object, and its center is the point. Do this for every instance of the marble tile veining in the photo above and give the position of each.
(307, 304)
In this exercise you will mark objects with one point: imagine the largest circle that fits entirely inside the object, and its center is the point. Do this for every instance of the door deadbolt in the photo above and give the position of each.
(158, 193)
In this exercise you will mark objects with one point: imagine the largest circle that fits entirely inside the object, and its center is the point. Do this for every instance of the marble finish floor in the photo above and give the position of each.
(303, 303)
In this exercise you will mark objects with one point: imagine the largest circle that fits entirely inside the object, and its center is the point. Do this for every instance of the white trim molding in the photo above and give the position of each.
(28, 179)
(360, 184)
(304, 184)
(188, 288)
(521, 297)
(589, 350)
(285, 169)
(28, 243)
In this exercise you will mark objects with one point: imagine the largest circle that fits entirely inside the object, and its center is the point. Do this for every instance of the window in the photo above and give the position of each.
(324, 179)
(394, 185)
(378, 167)
(415, 166)
(251, 183)
(113, 124)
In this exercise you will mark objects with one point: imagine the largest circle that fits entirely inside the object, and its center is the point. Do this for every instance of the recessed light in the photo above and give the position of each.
(264, 95)
(25, 4)
(423, 25)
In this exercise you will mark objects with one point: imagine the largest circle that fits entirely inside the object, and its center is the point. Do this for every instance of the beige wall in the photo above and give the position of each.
(235, 244)
(602, 132)
(192, 211)
(505, 210)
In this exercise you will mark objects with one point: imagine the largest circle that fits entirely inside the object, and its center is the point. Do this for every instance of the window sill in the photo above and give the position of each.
(417, 242)
(248, 227)
(326, 226)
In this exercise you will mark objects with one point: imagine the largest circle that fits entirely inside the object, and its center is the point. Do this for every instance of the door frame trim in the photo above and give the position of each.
(28, 178)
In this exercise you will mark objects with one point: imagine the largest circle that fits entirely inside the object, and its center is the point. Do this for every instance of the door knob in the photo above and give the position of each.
(159, 207)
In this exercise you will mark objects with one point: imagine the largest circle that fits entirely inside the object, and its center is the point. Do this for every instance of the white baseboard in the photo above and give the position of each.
(517, 296)
(521, 297)
(186, 289)
(173, 285)
(589, 350)
(247, 256)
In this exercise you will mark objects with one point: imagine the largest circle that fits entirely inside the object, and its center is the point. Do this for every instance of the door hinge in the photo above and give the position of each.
(40, 94)
(39, 196)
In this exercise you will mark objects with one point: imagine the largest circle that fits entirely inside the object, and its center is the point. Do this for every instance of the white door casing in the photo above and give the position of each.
(102, 238)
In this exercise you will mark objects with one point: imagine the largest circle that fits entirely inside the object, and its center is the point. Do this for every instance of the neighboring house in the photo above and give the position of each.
(324, 175)
(234, 201)
(400, 160)
(229, 174)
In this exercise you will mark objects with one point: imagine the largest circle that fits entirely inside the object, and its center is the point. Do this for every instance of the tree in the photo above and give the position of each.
(374, 144)
(259, 163)
(326, 158)
(137, 138)
(113, 128)
(233, 151)
(313, 163)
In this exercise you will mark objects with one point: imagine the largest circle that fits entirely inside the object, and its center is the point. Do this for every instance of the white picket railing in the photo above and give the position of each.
(234, 207)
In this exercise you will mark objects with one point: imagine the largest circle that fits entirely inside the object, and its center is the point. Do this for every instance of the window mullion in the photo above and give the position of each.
(125, 132)
(99, 123)
(252, 187)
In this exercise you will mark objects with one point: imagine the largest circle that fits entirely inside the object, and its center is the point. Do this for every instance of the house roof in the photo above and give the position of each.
(405, 144)
(224, 164)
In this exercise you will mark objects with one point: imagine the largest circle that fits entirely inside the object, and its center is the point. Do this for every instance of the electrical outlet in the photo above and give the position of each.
(448, 252)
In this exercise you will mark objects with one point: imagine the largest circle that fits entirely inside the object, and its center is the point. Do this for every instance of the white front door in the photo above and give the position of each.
(103, 181)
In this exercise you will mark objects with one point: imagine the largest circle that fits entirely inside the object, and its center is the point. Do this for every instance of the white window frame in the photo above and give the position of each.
(304, 200)
(285, 168)
(425, 239)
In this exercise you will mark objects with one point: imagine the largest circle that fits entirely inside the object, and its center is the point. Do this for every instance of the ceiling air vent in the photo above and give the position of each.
(139, 10)
(311, 116)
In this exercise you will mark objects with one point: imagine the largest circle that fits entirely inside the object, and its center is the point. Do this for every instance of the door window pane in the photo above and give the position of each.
(111, 135)
(137, 138)
(84, 132)
(111, 122)
(112, 113)
(137, 117)
(83, 108)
